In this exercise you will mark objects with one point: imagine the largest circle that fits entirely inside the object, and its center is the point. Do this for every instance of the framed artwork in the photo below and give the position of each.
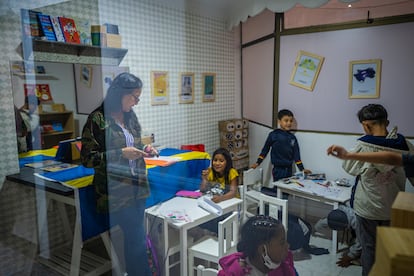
(364, 79)
(306, 70)
(209, 87)
(86, 75)
(159, 88)
(186, 88)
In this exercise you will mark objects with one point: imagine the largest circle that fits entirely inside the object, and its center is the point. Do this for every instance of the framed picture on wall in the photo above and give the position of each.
(306, 70)
(186, 88)
(159, 88)
(209, 87)
(364, 79)
(86, 75)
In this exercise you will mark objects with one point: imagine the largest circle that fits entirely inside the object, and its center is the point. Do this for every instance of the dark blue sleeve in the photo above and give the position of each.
(408, 163)
(296, 156)
(265, 149)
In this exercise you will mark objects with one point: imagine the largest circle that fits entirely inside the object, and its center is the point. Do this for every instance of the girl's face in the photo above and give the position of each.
(219, 163)
(277, 249)
(129, 100)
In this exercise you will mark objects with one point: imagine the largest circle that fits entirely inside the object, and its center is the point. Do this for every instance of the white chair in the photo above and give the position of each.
(212, 248)
(250, 192)
(202, 271)
(275, 202)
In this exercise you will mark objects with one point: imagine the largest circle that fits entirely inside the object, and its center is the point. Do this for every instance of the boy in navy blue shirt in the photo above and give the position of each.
(284, 148)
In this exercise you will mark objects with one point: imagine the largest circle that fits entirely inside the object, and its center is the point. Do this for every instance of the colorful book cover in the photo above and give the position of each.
(47, 27)
(42, 91)
(69, 30)
(57, 29)
(84, 29)
(30, 23)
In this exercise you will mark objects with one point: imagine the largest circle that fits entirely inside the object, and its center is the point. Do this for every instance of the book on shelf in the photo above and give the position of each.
(47, 27)
(42, 91)
(56, 28)
(30, 23)
(84, 29)
(69, 30)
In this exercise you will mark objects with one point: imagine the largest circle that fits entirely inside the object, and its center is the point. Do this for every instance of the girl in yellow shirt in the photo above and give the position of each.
(221, 174)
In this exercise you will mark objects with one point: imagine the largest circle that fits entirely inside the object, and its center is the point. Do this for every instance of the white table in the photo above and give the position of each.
(195, 213)
(312, 191)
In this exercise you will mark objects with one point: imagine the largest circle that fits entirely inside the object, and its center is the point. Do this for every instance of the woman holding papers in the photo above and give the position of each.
(111, 144)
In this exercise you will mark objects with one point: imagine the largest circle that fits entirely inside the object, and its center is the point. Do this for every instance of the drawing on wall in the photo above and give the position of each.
(159, 88)
(306, 70)
(86, 75)
(364, 79)
(186, 88)
(209, 87)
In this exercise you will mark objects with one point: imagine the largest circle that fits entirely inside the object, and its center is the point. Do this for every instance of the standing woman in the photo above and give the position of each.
(111, 144)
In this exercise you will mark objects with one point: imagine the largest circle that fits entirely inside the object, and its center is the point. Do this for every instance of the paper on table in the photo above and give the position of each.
(161, 160)
(207, 204)
(176, 216)
(317, 189)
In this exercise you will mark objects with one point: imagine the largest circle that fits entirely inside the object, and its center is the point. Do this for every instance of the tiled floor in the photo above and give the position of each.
(324, 265)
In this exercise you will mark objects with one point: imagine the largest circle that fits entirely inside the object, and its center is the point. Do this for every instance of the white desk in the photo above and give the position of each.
(197, 216)
(332, 195)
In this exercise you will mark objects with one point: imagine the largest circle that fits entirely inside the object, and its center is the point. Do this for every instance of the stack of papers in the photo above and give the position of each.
(161, 160)
(207, 204)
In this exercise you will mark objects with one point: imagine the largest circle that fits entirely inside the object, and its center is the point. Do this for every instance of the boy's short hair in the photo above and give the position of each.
(284, 112)
(373, 112)
(337, 220)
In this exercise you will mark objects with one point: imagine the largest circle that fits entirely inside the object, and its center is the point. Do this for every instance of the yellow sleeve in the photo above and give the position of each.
(233, 174)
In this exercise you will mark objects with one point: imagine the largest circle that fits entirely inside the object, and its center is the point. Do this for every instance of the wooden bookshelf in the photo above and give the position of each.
(53, 137)
(35, 45)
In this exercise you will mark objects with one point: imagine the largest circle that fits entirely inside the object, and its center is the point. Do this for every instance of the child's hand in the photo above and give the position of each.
(254, 166)
(307, 171)
(216, 198)
(204, 173)
(337, 151)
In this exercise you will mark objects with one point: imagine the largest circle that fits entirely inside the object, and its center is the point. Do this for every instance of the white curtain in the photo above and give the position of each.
(245, 8)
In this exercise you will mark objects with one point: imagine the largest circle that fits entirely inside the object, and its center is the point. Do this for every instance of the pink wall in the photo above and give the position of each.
(337, 12)
(327, 107)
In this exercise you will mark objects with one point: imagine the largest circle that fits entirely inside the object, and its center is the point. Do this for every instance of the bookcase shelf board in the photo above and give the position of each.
(71, 49)
(34, 76)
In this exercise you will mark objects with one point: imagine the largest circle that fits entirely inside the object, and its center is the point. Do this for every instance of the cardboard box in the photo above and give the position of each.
(113, 41)
(402, 211)
(394, 253)
(241, 164)
(98, 29)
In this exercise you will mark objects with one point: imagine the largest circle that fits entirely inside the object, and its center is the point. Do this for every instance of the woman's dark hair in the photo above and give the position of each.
(256, 231)
(374, 112)
(123, 84)
(229, 164)
(284, 112)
